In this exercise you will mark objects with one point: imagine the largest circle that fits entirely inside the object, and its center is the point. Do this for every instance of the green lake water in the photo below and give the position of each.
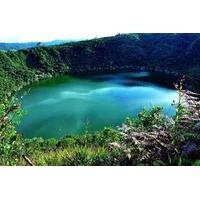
(69, 105)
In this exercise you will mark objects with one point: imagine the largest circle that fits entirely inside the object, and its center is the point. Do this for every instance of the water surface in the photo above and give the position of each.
(69, 105)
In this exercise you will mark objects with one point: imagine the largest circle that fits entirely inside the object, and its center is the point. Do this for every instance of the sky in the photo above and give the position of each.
(42, 20)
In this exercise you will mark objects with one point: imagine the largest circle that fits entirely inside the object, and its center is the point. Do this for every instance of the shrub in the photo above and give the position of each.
(11, 145)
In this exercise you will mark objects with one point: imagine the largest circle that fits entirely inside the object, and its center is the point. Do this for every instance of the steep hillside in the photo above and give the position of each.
(177, 53)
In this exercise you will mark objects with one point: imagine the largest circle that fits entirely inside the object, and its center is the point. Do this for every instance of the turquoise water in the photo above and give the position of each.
(69, 105)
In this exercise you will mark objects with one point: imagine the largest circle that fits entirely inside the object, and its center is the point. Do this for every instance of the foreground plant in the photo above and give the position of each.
(153, 139)
(11, 146)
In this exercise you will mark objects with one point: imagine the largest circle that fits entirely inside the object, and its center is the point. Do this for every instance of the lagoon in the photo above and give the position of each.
(67, 105)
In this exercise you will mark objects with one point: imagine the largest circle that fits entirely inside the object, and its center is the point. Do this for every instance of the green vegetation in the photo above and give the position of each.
(151, 139)
(169, 53)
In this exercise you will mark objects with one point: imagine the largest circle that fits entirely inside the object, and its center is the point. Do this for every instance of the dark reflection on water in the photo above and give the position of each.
(138, 78)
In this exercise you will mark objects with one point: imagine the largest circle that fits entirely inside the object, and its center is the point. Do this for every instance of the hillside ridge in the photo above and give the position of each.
(170, 53)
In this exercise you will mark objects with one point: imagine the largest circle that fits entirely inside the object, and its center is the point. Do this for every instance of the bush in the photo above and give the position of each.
(11, 145)
(148, 119)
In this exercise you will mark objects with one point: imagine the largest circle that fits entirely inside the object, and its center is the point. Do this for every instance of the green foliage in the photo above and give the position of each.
(86, 149)
(77, 156)
(196, 163)
(11, 145)
(180, 107)
(148, 119)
